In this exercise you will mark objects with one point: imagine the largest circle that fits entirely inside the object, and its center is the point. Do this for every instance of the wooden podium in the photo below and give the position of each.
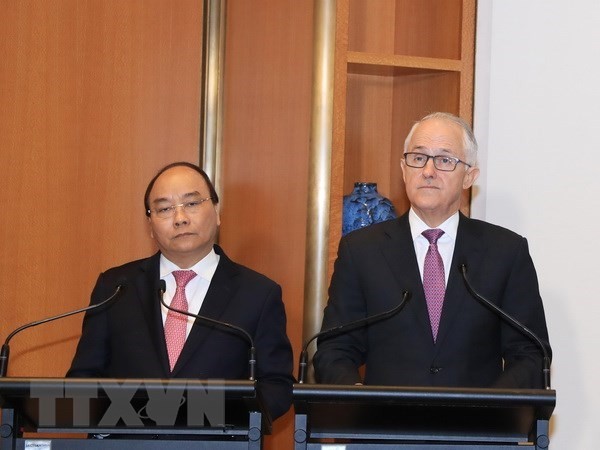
(131, 414)
(378, 417)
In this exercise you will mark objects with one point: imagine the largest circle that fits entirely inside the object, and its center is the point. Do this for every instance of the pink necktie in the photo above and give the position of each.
(434, 281)
(176, 324)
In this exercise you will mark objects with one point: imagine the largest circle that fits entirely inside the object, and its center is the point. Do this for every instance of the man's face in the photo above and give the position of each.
(186, 237)
(435, 195)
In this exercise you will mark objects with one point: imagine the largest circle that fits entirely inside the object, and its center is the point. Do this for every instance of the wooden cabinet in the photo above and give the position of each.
(396, 61)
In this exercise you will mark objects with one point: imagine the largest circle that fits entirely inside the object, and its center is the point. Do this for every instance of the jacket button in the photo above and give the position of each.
(434, 370)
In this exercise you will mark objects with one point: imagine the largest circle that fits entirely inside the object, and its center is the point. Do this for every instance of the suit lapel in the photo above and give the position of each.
(401, 257)
(222, 287)
(147, 285)
(466, 251)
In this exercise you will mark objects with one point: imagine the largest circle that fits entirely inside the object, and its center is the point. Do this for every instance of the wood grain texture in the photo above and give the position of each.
(429, 28)
(338, 143)
(405, 60)
(96, 97)
(266, 129)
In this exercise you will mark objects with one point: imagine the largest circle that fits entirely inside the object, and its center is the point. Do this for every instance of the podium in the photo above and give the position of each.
(379, 417)
(131, 414)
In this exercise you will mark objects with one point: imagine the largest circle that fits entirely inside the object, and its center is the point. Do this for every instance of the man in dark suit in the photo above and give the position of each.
(465, 345)
(128, 339)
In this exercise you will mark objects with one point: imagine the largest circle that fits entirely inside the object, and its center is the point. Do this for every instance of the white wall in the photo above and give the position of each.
(537, 117)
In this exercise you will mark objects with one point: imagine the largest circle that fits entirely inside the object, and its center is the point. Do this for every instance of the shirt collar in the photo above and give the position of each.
(417, 226)
(205, 268)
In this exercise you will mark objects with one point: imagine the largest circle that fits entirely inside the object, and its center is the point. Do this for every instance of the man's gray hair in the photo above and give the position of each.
(469, 141)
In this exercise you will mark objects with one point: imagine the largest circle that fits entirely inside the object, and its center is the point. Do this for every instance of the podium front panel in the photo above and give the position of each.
(387, 415)
(224, 412)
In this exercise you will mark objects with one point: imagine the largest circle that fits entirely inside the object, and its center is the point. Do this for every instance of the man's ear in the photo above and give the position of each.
(218, 211)
(149, 219)
(403, 167)
(471, 175)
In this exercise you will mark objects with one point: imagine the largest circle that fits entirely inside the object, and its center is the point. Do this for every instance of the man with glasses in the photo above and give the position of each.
(137, 337)
(442, 336)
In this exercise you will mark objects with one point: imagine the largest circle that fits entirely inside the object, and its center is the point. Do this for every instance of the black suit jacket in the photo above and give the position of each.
(474, 348)
(126, 339)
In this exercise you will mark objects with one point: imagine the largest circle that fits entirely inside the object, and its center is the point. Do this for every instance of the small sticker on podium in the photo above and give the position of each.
(37, 444)
(333, 447)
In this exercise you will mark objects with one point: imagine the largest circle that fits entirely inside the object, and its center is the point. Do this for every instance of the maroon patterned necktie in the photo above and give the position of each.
(176, 323)
(434, 280)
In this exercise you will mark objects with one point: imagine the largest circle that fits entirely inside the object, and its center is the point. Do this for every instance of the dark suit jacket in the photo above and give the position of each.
(126, 339)
(474, 347)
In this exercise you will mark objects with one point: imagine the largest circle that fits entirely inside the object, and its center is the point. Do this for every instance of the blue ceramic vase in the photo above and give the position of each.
(364, 207)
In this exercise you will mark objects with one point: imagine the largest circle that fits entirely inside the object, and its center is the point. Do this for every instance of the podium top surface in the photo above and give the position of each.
(544, 399)
(339, 411)
(11, 387)
(128, 404)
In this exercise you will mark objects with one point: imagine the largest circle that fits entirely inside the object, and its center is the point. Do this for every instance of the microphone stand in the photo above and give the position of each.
(222, 325)
(547, 360)
(344, 328)
(5, 352)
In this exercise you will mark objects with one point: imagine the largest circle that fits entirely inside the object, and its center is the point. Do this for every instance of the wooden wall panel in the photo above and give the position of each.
(429, 28)
(369, 133)
(363, 18)
(265, 150)
(96, 96)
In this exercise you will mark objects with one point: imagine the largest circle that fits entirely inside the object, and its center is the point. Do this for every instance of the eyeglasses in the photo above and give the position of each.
(440, 162)
(166, 212)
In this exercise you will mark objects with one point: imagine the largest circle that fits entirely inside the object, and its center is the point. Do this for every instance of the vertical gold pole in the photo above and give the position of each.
(321, 135)
(212, 90)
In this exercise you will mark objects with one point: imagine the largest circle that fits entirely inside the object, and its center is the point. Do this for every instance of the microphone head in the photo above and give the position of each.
(122, 284)
(162, 286)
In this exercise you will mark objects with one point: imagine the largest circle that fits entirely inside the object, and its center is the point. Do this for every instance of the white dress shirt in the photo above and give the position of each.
(445, 243)
(195, 290)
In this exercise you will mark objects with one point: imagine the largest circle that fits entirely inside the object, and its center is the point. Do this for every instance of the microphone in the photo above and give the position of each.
(227, 327)
(5, 352)
(514, 323)
(346, 328)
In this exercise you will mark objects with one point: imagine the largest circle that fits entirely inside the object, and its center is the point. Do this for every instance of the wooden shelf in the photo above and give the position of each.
(403, 61)
(394, 64)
